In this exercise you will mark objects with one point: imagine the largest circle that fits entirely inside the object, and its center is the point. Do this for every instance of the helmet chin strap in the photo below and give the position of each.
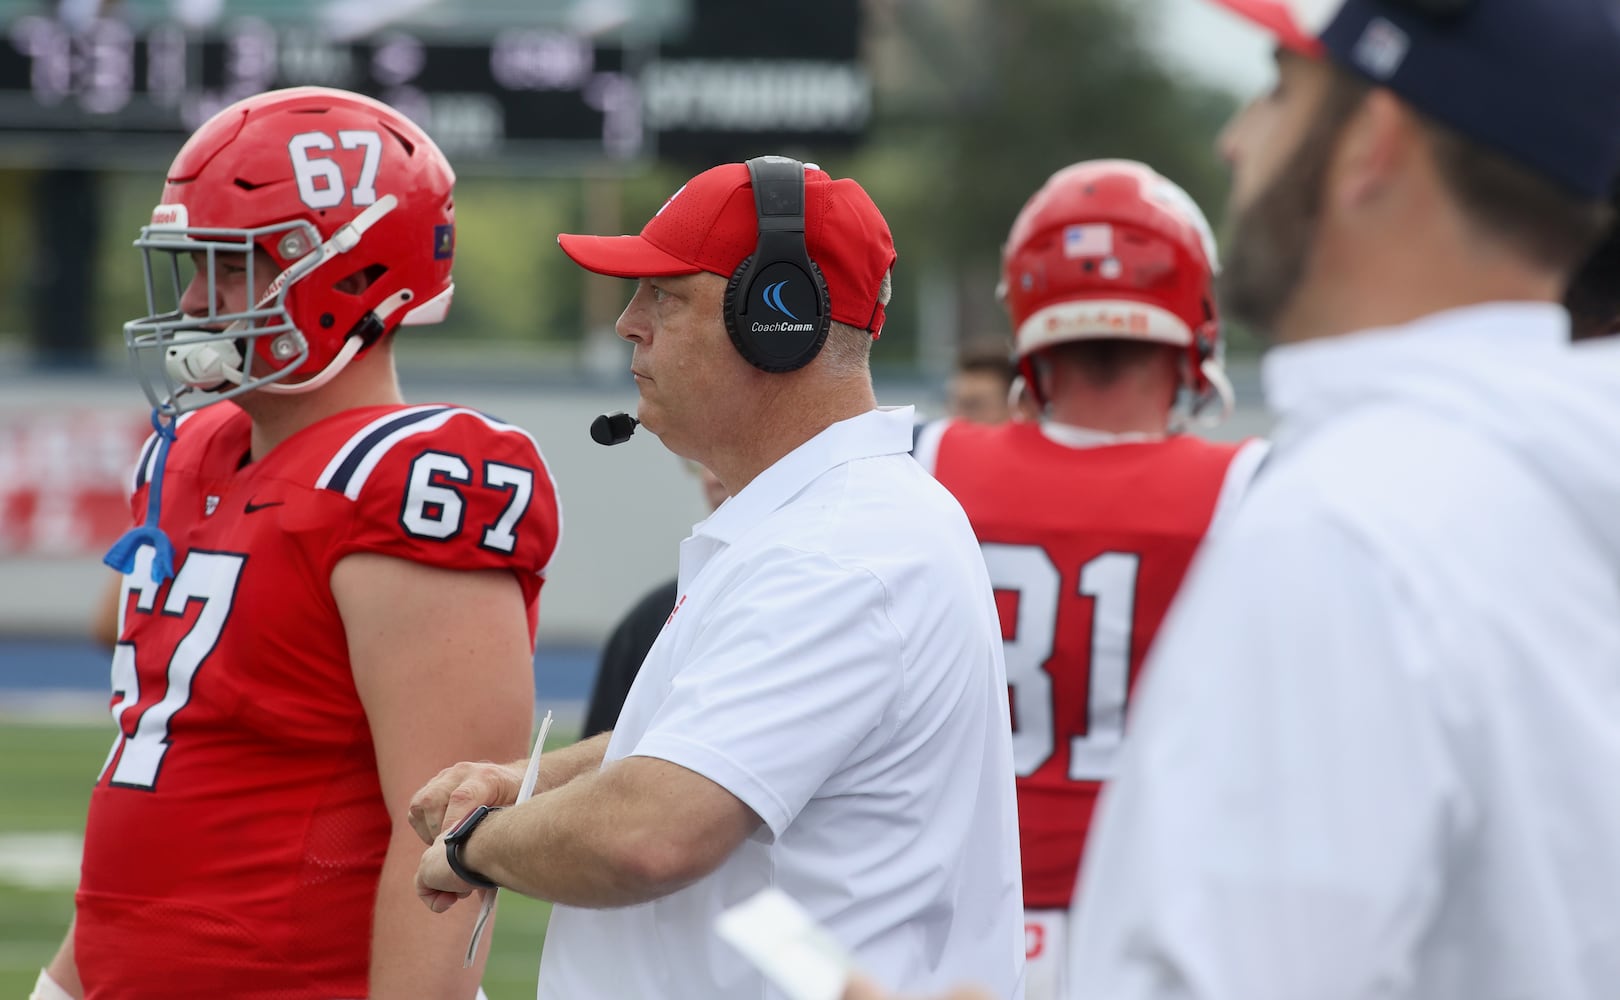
(209, 363)
(345, 354)
(351, 347)
(1216, 375)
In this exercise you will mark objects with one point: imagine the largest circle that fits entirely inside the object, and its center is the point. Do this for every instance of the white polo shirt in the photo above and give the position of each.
(834, 660)
(1376, 755)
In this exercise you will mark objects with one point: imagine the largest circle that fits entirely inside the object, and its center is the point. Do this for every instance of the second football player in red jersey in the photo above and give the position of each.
(333, 594)
(1089, 518)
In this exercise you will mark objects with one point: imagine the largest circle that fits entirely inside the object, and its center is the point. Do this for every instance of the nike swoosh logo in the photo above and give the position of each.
(251, 506)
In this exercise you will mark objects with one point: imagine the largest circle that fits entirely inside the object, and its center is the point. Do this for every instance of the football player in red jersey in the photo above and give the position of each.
(333, 595)
(1089, 517)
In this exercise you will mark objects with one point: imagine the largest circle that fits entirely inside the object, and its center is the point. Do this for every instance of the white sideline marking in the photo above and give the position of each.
(40, 860)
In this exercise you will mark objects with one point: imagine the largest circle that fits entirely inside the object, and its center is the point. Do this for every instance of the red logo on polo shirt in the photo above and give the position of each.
(1034, 940)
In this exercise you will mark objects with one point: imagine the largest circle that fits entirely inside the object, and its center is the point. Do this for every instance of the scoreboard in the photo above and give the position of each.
(520, 85)
(110, 90)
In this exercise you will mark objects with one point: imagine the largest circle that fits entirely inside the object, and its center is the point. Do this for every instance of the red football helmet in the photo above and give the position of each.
(1111, 249)
(352, 203)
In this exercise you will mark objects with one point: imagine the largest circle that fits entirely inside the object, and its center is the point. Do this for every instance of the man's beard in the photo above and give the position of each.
(1270, 241)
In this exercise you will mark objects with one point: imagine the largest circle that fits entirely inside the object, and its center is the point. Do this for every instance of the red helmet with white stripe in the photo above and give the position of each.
(352, 203)
(1111, 249)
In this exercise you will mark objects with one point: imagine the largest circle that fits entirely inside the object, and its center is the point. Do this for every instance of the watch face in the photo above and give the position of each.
(457, 838)
(467, 821)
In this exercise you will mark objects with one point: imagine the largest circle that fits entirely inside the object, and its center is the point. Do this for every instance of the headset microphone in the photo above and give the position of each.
(613, 428)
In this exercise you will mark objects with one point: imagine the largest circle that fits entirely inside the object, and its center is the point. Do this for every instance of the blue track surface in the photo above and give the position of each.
(562, 674)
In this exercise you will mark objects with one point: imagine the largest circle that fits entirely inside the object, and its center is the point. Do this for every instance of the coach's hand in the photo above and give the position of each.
(458, 790)
(436, 884)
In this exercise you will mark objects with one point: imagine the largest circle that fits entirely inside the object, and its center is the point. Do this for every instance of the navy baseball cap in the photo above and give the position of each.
(1536, 80)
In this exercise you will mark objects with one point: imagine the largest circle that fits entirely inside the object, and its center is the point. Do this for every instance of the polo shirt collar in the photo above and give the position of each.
(880, 431)
(1313, 378)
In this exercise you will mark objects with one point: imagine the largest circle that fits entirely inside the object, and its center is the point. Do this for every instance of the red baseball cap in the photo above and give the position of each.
(1292, 22)
(711, 224)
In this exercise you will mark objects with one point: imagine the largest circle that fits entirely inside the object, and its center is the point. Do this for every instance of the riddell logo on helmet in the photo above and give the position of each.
(1095, 319)
(169, 216)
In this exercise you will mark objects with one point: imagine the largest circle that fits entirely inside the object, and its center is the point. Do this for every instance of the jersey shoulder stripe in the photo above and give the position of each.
(353, 464)
(347, 471)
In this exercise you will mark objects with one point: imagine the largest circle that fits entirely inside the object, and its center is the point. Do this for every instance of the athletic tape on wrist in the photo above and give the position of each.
(46, 988)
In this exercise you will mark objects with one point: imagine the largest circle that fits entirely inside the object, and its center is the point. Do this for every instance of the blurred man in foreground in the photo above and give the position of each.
(1375, 753)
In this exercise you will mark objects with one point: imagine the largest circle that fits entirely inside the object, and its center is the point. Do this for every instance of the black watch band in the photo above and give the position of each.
(454, 840)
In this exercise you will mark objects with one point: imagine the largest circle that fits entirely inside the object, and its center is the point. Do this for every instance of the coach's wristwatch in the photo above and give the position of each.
(458, 836)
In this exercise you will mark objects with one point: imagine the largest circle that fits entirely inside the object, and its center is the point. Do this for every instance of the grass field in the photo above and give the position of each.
(45, 776)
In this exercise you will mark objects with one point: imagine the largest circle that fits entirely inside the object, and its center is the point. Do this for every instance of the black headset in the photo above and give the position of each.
(776, 306)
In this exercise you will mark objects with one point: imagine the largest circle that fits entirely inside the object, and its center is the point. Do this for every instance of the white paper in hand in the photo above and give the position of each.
(784, 942)
(530, 776)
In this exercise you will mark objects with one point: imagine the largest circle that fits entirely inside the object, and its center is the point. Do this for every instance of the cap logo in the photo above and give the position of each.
(773, 298)
(1381, 49)
(672, 198)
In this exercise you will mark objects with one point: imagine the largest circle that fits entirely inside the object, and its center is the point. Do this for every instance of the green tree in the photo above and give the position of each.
(1021, 89)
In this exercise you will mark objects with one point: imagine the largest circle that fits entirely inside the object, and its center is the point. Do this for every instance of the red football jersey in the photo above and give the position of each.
(1086, 547)
(237, 829)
